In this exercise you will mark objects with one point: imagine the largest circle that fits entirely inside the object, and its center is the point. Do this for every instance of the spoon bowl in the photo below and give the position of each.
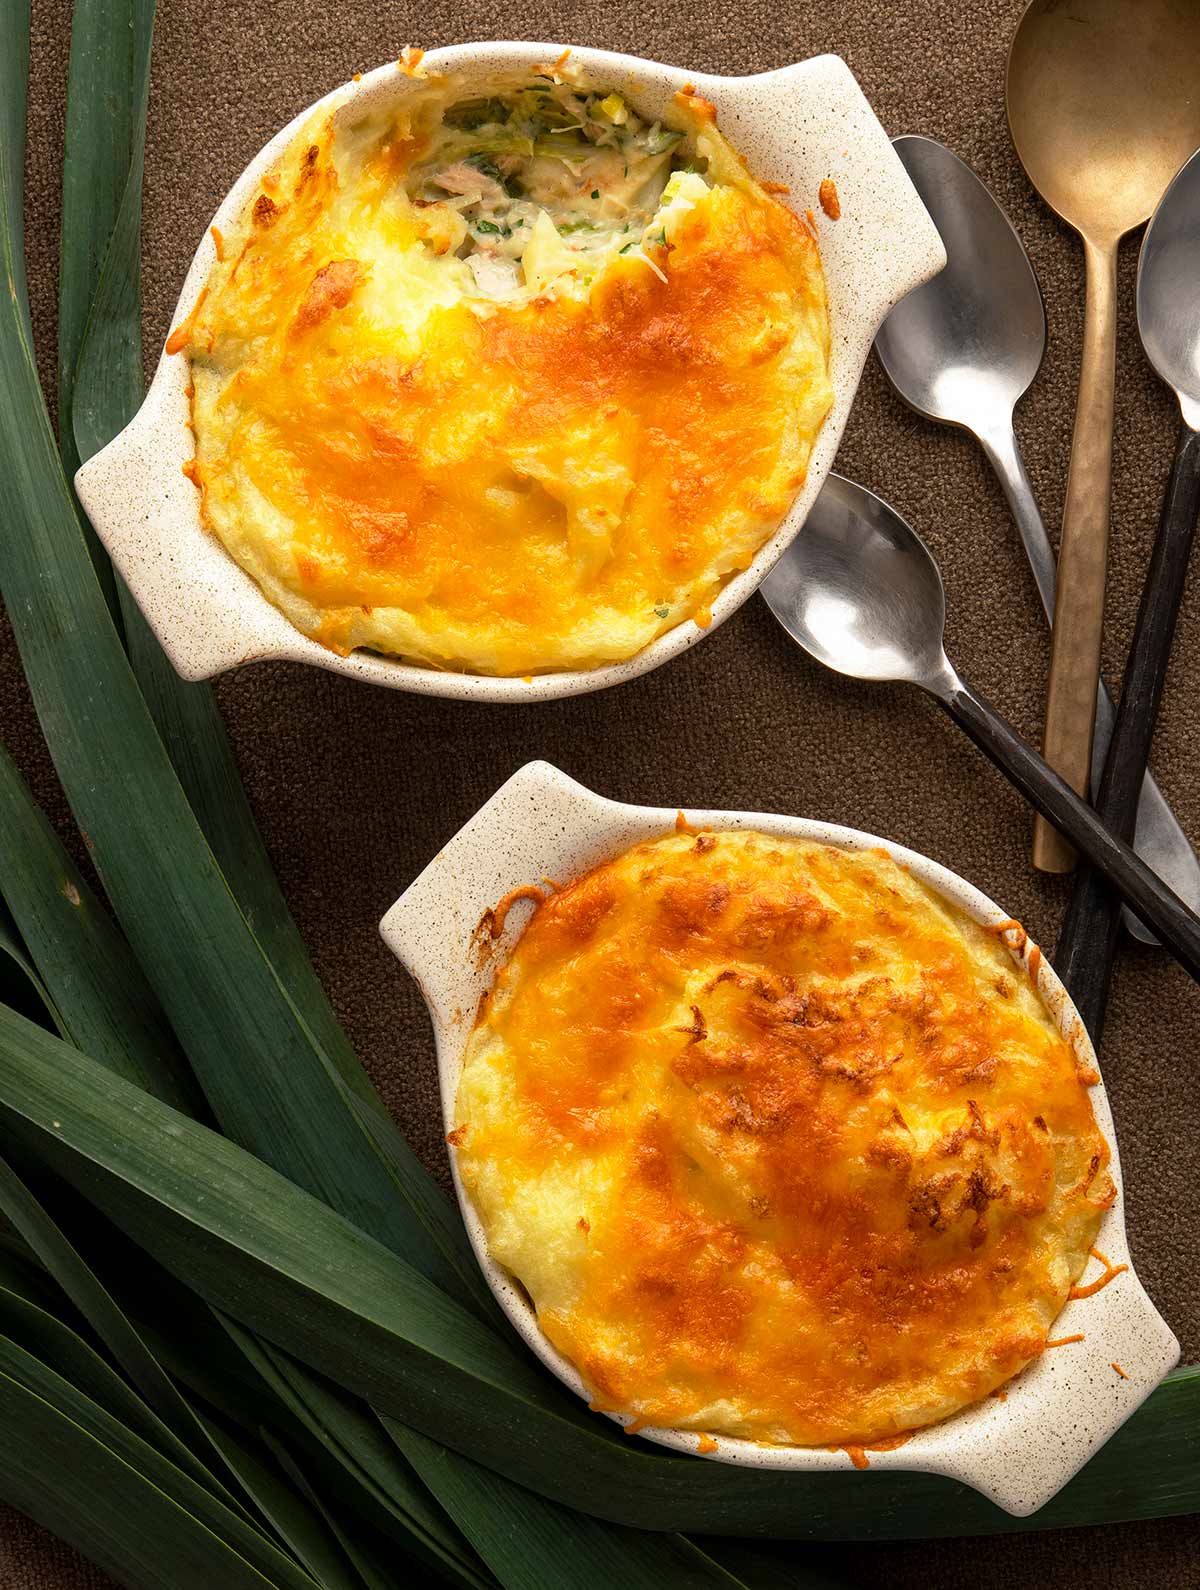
(1168, 287)
(962, 348)
(860, 591)
(1103, 107)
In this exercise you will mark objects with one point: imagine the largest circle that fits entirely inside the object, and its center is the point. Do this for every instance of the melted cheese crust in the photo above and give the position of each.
(781, 1144)
(502, 488)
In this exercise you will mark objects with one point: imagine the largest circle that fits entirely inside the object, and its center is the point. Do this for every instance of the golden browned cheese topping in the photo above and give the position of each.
(780, 1143)
(510, 386)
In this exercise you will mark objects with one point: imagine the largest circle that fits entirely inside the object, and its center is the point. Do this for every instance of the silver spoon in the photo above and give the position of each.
(963, 349)
(859, 590)
(1168, 308)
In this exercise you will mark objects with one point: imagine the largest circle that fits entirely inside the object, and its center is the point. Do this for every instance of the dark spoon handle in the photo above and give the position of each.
(1158, 906)
(1084, 955)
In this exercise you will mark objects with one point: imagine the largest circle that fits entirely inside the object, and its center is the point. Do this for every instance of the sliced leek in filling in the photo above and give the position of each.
(550, 181)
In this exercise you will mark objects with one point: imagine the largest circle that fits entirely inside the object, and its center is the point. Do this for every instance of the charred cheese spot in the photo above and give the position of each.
(506, 412)
(837, 1184)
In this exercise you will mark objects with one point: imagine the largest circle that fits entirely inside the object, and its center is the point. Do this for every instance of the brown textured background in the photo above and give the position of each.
(356, 787)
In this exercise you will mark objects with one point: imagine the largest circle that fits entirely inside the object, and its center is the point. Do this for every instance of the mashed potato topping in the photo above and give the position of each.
(781, 1144)
(505, 383)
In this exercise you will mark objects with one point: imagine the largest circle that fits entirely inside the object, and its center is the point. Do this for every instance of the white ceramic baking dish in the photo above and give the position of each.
(1018, 1452)
(797, 125)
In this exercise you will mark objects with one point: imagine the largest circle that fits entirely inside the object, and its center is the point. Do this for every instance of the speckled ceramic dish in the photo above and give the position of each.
(797, 125)
(1057, 1412)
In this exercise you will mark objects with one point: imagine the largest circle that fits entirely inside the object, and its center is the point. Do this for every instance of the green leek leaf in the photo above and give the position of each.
(87, 958)
(183, 1441)
(374, 1574)
(20, 985)
(297, 1523)
(105, 391)
(518, 1541)
(101, 1000)
(21, 1274)
(40, 1332)
(274, 1257)
(345, 1426)
(208, 1364)
(66, 1461)
(105, 133)
(144, 1284)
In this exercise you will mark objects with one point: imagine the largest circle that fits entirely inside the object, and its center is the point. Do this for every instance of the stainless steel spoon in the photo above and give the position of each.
(1168, 307)
(1168, 290)
(963, 349)
(859, 590)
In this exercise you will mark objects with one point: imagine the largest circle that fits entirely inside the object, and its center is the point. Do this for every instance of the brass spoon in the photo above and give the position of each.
(1104, 109)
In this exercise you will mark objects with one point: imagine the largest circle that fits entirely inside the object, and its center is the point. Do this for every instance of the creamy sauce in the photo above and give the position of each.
(549, 181)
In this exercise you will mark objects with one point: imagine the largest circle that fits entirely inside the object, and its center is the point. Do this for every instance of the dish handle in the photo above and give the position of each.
(443, 928)
(133, 491)
(882, 216)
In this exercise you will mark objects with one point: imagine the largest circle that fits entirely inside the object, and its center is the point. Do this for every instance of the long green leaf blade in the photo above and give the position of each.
(251, 1371)
(343, 1426)
(88, 961)
(522, 1542)
(85, 1290)
(297, 1273)
(524, 1538)
(108, 84)
(33, 1327)
(21, 1273)
(300, 1526)
(226, 1003)
(373, 1573)
(25, 1321)
(41, 1413)
(100, 997)
(183, 1439)
(105, 393)
(207, 1369)
(28, 1319)
(20, 985)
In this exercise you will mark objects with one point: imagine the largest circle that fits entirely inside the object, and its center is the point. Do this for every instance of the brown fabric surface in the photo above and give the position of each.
(356, 788)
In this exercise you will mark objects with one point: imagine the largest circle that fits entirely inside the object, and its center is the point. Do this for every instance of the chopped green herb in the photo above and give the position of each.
(628, 246)
(595, 193)
(490, 226)
(486, 167)
(662, 611)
